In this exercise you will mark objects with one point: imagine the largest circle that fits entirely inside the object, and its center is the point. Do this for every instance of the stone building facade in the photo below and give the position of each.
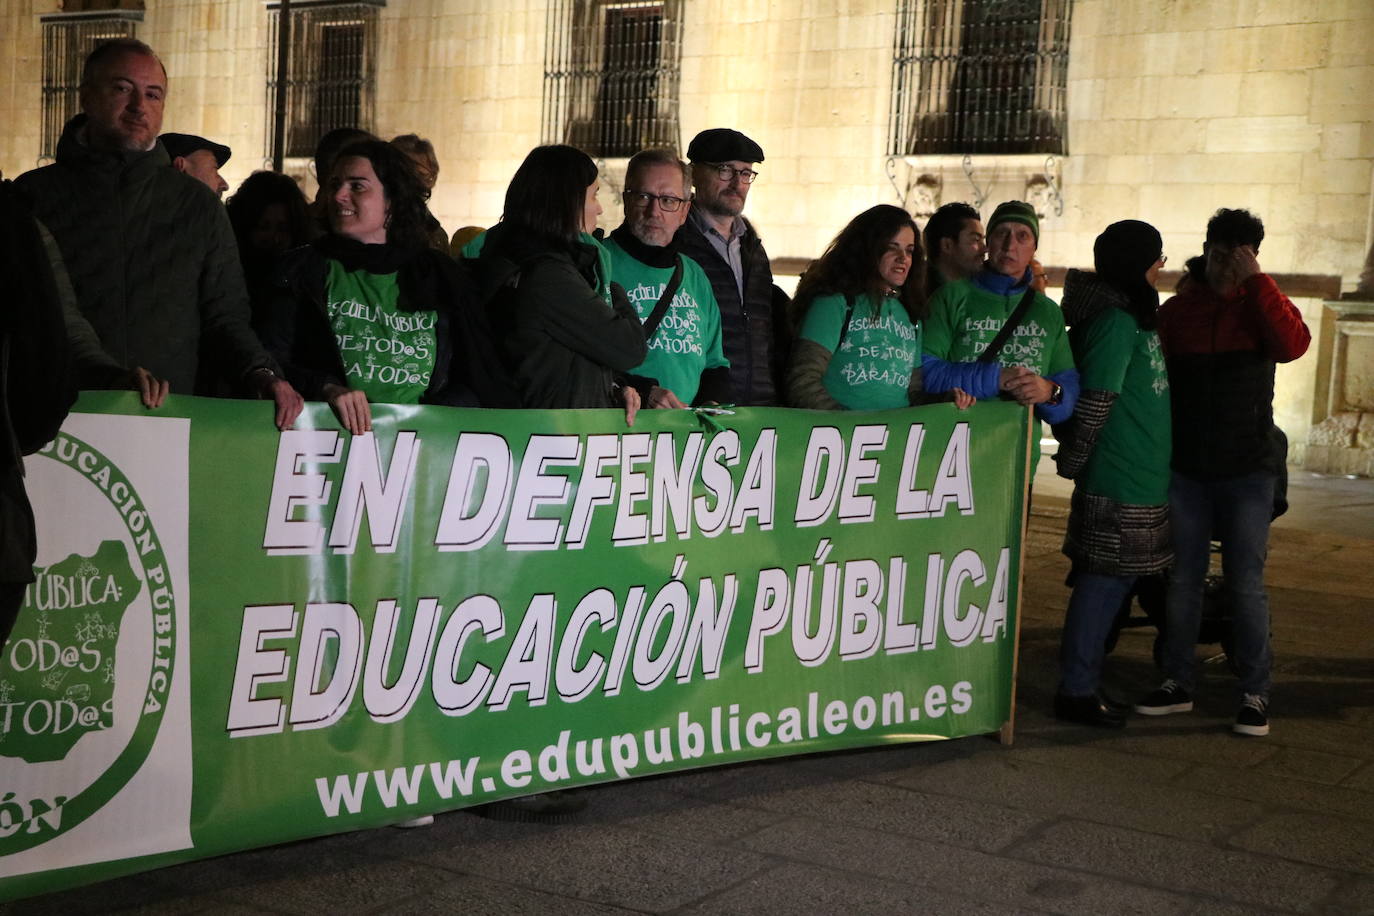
(1172, 108)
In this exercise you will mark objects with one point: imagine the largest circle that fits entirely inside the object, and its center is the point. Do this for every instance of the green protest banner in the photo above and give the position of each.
(240, 637)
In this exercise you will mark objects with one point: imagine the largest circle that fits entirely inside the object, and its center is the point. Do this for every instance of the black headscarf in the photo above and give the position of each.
(1122, 254)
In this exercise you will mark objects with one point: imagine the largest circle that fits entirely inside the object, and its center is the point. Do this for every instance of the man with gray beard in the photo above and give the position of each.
(670, 291)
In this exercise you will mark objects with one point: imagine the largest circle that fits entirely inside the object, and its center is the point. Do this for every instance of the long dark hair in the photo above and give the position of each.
(407, 217)
(546, 195)
(261, 190)
(850, 264)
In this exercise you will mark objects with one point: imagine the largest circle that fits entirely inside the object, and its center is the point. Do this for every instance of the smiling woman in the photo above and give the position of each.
(860, 310)
(369, 312)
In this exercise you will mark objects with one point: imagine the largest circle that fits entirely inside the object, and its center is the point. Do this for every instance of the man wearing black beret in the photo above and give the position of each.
(753, 312)
(200, 158)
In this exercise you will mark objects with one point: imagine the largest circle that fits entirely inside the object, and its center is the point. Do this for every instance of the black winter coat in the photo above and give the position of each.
(36, 386)
(560, 341)
(152, 258)
(755, 331)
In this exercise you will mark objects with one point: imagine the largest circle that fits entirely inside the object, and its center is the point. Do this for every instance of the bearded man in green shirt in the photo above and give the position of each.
(685, 353)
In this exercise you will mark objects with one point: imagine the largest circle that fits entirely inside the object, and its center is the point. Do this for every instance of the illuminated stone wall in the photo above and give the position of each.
(1175, 108)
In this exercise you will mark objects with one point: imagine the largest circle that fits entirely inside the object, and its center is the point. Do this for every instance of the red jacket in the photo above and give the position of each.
(1221, 353)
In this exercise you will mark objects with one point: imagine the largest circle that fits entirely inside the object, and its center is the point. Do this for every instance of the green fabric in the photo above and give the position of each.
(688, 339)
(474, 605)
(1130, 462)
(386, 352)
(872, 367)
(964, 318)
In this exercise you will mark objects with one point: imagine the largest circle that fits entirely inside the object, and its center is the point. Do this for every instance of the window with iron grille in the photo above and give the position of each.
(611, 73)
(331, 73)
(68, 38)
(980, 76)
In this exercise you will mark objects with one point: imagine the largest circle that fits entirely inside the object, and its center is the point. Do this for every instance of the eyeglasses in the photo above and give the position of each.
(728, 172)
(666, 203)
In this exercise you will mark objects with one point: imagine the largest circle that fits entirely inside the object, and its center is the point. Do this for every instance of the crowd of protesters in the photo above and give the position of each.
(1164, 415)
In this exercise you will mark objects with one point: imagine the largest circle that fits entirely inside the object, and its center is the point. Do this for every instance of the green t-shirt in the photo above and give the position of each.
(687, 341)
(964, 318)
(1130, 462)
(387, 353)
(872, 367)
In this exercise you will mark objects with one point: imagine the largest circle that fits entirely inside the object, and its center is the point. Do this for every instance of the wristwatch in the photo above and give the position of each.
(1056, 395)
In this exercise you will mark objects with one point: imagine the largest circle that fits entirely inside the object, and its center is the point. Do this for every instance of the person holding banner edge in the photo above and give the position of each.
(1116, 450)
(669, 290)
(994, 334)
(369, 311)
(566, 334)
(860, 309)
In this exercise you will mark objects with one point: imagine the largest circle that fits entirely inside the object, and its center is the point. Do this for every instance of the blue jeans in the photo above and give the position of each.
(1237, 512)
(1093, 606)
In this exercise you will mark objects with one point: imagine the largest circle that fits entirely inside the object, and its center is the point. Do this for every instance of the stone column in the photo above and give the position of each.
(1342, 442)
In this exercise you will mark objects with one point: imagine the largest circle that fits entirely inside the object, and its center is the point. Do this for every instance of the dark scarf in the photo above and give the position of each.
(652, 255)
(425, 278)
(507, 241)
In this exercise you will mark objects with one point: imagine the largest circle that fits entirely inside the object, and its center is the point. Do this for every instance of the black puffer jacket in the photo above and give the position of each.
(151, 256)
(755, 333)
(1221, 351)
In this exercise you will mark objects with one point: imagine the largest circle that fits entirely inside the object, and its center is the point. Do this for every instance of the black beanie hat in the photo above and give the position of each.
(1121, 255)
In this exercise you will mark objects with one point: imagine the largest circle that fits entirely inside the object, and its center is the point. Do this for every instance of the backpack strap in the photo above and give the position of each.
(661, 307)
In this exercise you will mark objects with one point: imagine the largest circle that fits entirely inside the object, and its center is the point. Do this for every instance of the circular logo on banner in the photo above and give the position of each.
(84, 678)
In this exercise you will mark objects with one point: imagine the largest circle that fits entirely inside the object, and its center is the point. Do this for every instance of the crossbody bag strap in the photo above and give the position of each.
(1013, 321)
(665, 300)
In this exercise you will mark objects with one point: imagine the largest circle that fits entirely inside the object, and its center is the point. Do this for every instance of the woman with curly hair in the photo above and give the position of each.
(370, 313)
(860, 309)
(270, 217)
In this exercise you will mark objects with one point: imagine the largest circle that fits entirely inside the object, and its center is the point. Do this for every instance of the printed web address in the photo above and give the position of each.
(590, 757)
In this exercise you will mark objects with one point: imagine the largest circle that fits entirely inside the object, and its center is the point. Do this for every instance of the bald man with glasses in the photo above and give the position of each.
(671, 292)
(753, 312)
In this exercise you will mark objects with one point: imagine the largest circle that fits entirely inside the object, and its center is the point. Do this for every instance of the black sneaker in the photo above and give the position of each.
(1253, 717)
(1088, 710)
(1168, 697)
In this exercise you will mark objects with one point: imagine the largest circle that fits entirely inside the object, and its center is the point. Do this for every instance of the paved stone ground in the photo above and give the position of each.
(1174, 815)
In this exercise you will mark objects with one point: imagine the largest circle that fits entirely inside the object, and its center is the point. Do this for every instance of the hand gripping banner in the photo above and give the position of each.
(240, 637)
